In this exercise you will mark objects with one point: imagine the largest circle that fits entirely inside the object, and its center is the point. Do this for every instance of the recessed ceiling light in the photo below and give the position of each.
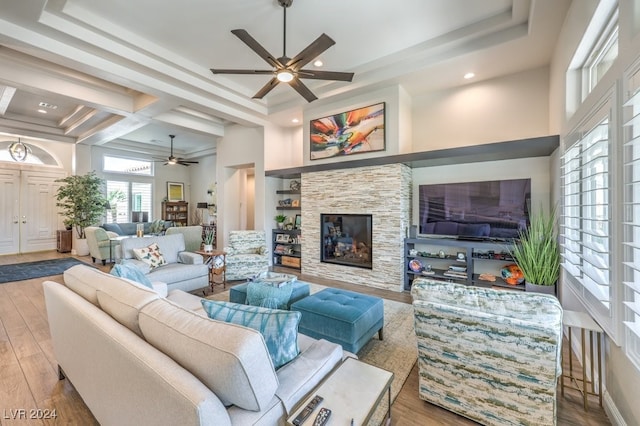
(47, 105)
(295, 120)
(42, 111)
(318, 63)
(469, 75)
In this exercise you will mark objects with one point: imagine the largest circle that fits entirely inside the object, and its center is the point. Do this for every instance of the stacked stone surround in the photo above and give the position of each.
(382, 191)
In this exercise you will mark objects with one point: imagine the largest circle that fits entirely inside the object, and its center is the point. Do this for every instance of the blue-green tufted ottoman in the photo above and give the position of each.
(340, 316)
(238, 293)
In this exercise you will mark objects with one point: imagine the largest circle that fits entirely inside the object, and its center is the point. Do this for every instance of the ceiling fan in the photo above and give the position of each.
(174, 160)
(288, 70)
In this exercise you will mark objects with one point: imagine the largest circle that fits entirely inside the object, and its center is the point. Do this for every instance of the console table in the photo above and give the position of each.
(352, 393)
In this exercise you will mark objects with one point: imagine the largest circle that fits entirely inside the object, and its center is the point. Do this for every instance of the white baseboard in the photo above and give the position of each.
(612, 411)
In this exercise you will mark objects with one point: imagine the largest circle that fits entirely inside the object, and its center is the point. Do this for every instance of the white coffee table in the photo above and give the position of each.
(352, 392)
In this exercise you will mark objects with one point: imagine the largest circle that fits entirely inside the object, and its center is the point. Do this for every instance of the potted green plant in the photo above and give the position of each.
(80, 200)
(537, 254)
(280, 218)
(209, 236)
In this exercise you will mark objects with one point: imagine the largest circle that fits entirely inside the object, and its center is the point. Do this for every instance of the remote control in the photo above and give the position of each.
(304, 414)
(322, 417)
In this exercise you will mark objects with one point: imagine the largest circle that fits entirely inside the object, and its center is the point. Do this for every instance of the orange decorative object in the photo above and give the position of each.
(512, 275)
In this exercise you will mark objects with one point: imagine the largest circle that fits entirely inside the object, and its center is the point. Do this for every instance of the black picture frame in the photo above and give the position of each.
(297, 224)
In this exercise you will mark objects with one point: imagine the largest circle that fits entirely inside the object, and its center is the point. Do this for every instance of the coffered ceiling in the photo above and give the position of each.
(129, 73)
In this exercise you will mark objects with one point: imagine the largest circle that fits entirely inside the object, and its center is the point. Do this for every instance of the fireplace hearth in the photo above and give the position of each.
(346, 239)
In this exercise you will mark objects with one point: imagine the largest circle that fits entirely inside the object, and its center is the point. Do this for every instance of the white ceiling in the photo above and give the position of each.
(129, 73)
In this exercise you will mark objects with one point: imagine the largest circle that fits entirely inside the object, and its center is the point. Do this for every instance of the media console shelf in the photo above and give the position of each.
(462, 255)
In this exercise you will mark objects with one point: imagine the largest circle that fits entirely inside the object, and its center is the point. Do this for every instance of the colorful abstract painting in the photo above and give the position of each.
(357, 131)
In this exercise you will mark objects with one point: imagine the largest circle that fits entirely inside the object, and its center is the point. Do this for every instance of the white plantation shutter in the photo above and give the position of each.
(586, 214)
(141, 197)
(631, 220)
(137, 198)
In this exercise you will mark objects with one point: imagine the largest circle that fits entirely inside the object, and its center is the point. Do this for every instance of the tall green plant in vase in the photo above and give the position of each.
(537, 254)
(81, 202)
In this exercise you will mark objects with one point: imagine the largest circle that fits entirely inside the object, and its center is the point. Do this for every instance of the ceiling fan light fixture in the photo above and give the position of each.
(284, 76)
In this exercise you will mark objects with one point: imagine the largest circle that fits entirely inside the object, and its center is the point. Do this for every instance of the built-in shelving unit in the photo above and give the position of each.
(288, 194)
(286, 248)
(444, 253)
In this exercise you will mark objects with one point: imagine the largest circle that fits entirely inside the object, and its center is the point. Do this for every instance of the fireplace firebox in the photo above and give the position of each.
(346, 239)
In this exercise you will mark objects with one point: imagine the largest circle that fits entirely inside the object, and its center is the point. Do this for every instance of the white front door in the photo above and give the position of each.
(9, 211)
(39, 217)
(28, 202)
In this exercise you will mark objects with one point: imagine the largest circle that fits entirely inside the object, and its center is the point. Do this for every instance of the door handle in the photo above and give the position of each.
(24, 219)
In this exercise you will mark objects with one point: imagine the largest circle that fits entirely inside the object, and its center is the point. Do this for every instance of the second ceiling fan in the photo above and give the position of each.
(172, 159)
(288, 70)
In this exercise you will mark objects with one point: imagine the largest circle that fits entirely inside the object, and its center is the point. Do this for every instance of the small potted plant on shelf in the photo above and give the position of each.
(537, 254)
(280, 218)
(209, 236)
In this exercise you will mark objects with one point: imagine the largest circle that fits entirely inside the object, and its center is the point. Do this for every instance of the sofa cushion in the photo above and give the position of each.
(150, 255)
(123, 299)
(129, 271)
(113, 227)
(176, 272)
(86, 281)
(170, 246)
(279, 328)
(229, 359)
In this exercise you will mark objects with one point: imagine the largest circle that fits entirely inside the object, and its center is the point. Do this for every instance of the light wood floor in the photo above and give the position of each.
(29, 381)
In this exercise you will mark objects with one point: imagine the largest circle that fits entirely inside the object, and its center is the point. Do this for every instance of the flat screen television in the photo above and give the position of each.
(496, 209)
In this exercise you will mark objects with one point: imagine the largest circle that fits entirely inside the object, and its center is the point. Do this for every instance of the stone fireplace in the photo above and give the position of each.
(384, 192)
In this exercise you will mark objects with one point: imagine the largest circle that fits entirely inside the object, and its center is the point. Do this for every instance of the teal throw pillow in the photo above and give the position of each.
(268, 296)
(279, 328)
(129, 271)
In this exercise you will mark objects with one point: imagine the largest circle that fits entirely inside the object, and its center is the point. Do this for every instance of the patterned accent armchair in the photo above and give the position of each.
(247, 254)
(490, 355)
(98, 242)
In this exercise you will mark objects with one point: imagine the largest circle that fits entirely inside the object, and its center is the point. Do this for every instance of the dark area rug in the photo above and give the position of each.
(42, 268)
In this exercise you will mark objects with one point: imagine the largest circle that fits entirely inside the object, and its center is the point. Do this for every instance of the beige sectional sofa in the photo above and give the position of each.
(138, 358)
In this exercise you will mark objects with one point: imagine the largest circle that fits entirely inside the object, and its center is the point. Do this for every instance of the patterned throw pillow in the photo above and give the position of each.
(279, 328)
(150, 255)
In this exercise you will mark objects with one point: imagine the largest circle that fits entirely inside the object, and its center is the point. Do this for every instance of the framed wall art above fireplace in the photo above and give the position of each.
(357, 131)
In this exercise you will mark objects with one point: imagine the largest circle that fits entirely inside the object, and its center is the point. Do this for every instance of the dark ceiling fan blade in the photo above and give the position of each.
(257, 47)
(266, 88)
(302, 89)
(326, 75)
(311, 52)
(256, 72)
(180, 160)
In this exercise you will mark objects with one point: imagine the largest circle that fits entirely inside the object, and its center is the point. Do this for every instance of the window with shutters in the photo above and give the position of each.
(128, 196)
(631, 219)
(586, 214)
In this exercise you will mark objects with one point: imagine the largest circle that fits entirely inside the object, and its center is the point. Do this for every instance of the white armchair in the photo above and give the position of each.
(247, 254)
(99, 243)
